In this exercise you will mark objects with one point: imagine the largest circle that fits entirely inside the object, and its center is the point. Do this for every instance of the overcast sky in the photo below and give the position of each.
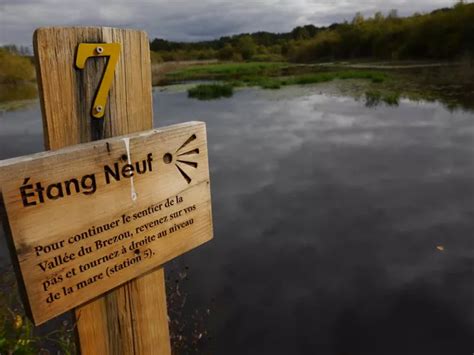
(193, 19)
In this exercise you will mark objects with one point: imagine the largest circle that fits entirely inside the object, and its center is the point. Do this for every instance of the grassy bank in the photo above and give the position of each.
(264, 75)
(227, 71)
(449, 83)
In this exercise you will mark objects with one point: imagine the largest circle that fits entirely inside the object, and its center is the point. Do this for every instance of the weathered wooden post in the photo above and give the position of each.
(108, 325)
(100, 215)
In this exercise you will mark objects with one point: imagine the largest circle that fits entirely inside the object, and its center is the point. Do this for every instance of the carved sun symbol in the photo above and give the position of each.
(182, 158)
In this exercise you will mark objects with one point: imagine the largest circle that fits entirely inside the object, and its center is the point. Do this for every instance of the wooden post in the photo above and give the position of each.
(131, 319)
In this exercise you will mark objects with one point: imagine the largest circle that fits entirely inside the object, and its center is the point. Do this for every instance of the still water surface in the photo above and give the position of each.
(329, 219)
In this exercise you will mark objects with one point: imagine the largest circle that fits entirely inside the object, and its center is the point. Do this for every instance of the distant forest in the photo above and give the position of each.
(444, 34)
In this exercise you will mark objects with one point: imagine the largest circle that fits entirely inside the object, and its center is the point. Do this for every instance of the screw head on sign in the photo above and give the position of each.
(98, 109)
(99, 50)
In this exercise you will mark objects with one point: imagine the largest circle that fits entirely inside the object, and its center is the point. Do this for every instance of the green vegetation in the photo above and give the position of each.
(17, 333)
(314, 78)
(375, 97)
(16, 76)
(264, 75)
(211, 91)
(444, 34)
(254, 72)
(15, 68)
(226, 71)
(375, 77)
(451, 85)
(16, 92)
(269, 60)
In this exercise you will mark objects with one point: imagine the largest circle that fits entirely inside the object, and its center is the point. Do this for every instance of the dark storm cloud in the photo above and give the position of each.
(189, 20)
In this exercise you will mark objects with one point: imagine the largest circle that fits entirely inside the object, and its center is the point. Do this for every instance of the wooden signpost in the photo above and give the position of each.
(86, 219)
(92, 223)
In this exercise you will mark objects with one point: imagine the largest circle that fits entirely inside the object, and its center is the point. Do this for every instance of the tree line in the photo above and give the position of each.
(243, 46)
(443, 34)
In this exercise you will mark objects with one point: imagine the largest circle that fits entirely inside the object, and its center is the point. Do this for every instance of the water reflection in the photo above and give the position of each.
(374, 98)
(327, 219)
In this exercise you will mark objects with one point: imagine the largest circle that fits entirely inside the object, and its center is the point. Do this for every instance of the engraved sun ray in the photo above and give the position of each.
(194, 151)
(190, 163)
(186, 176)
(189, 140)
(182, 160)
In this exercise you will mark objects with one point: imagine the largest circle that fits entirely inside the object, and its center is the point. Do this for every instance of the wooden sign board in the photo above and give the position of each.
(87, 218)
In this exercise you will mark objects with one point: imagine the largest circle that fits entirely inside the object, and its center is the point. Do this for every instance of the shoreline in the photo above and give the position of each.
(447, 82)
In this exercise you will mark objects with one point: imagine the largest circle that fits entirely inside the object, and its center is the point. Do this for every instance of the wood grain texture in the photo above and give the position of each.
(78, 238)
(66, 97)
(67, 93)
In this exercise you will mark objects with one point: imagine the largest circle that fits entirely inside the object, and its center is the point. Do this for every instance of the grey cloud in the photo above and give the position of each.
(189, 20)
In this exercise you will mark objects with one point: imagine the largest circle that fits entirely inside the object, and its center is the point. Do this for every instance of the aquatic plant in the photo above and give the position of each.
(211, 91)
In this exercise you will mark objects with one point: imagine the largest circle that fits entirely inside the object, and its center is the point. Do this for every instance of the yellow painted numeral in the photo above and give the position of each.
(111, 50)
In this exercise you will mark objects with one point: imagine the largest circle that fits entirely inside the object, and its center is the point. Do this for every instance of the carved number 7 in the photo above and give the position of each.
(111, 50)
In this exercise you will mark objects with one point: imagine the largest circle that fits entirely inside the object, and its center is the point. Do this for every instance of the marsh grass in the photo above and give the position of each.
(227, 71)
(374, 98)
(211, 91)
(259, 74)
(375, 77)
(214, 91)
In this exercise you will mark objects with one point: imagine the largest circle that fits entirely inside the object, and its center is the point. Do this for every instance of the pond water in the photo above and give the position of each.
(339, 228)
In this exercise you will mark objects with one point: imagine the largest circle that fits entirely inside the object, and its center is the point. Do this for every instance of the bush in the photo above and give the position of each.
(268, 58)
(15, 68)
(226, 52)
(442, 34)
(237, 57)
(246, 47)
(324, 46)
(156, 57)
